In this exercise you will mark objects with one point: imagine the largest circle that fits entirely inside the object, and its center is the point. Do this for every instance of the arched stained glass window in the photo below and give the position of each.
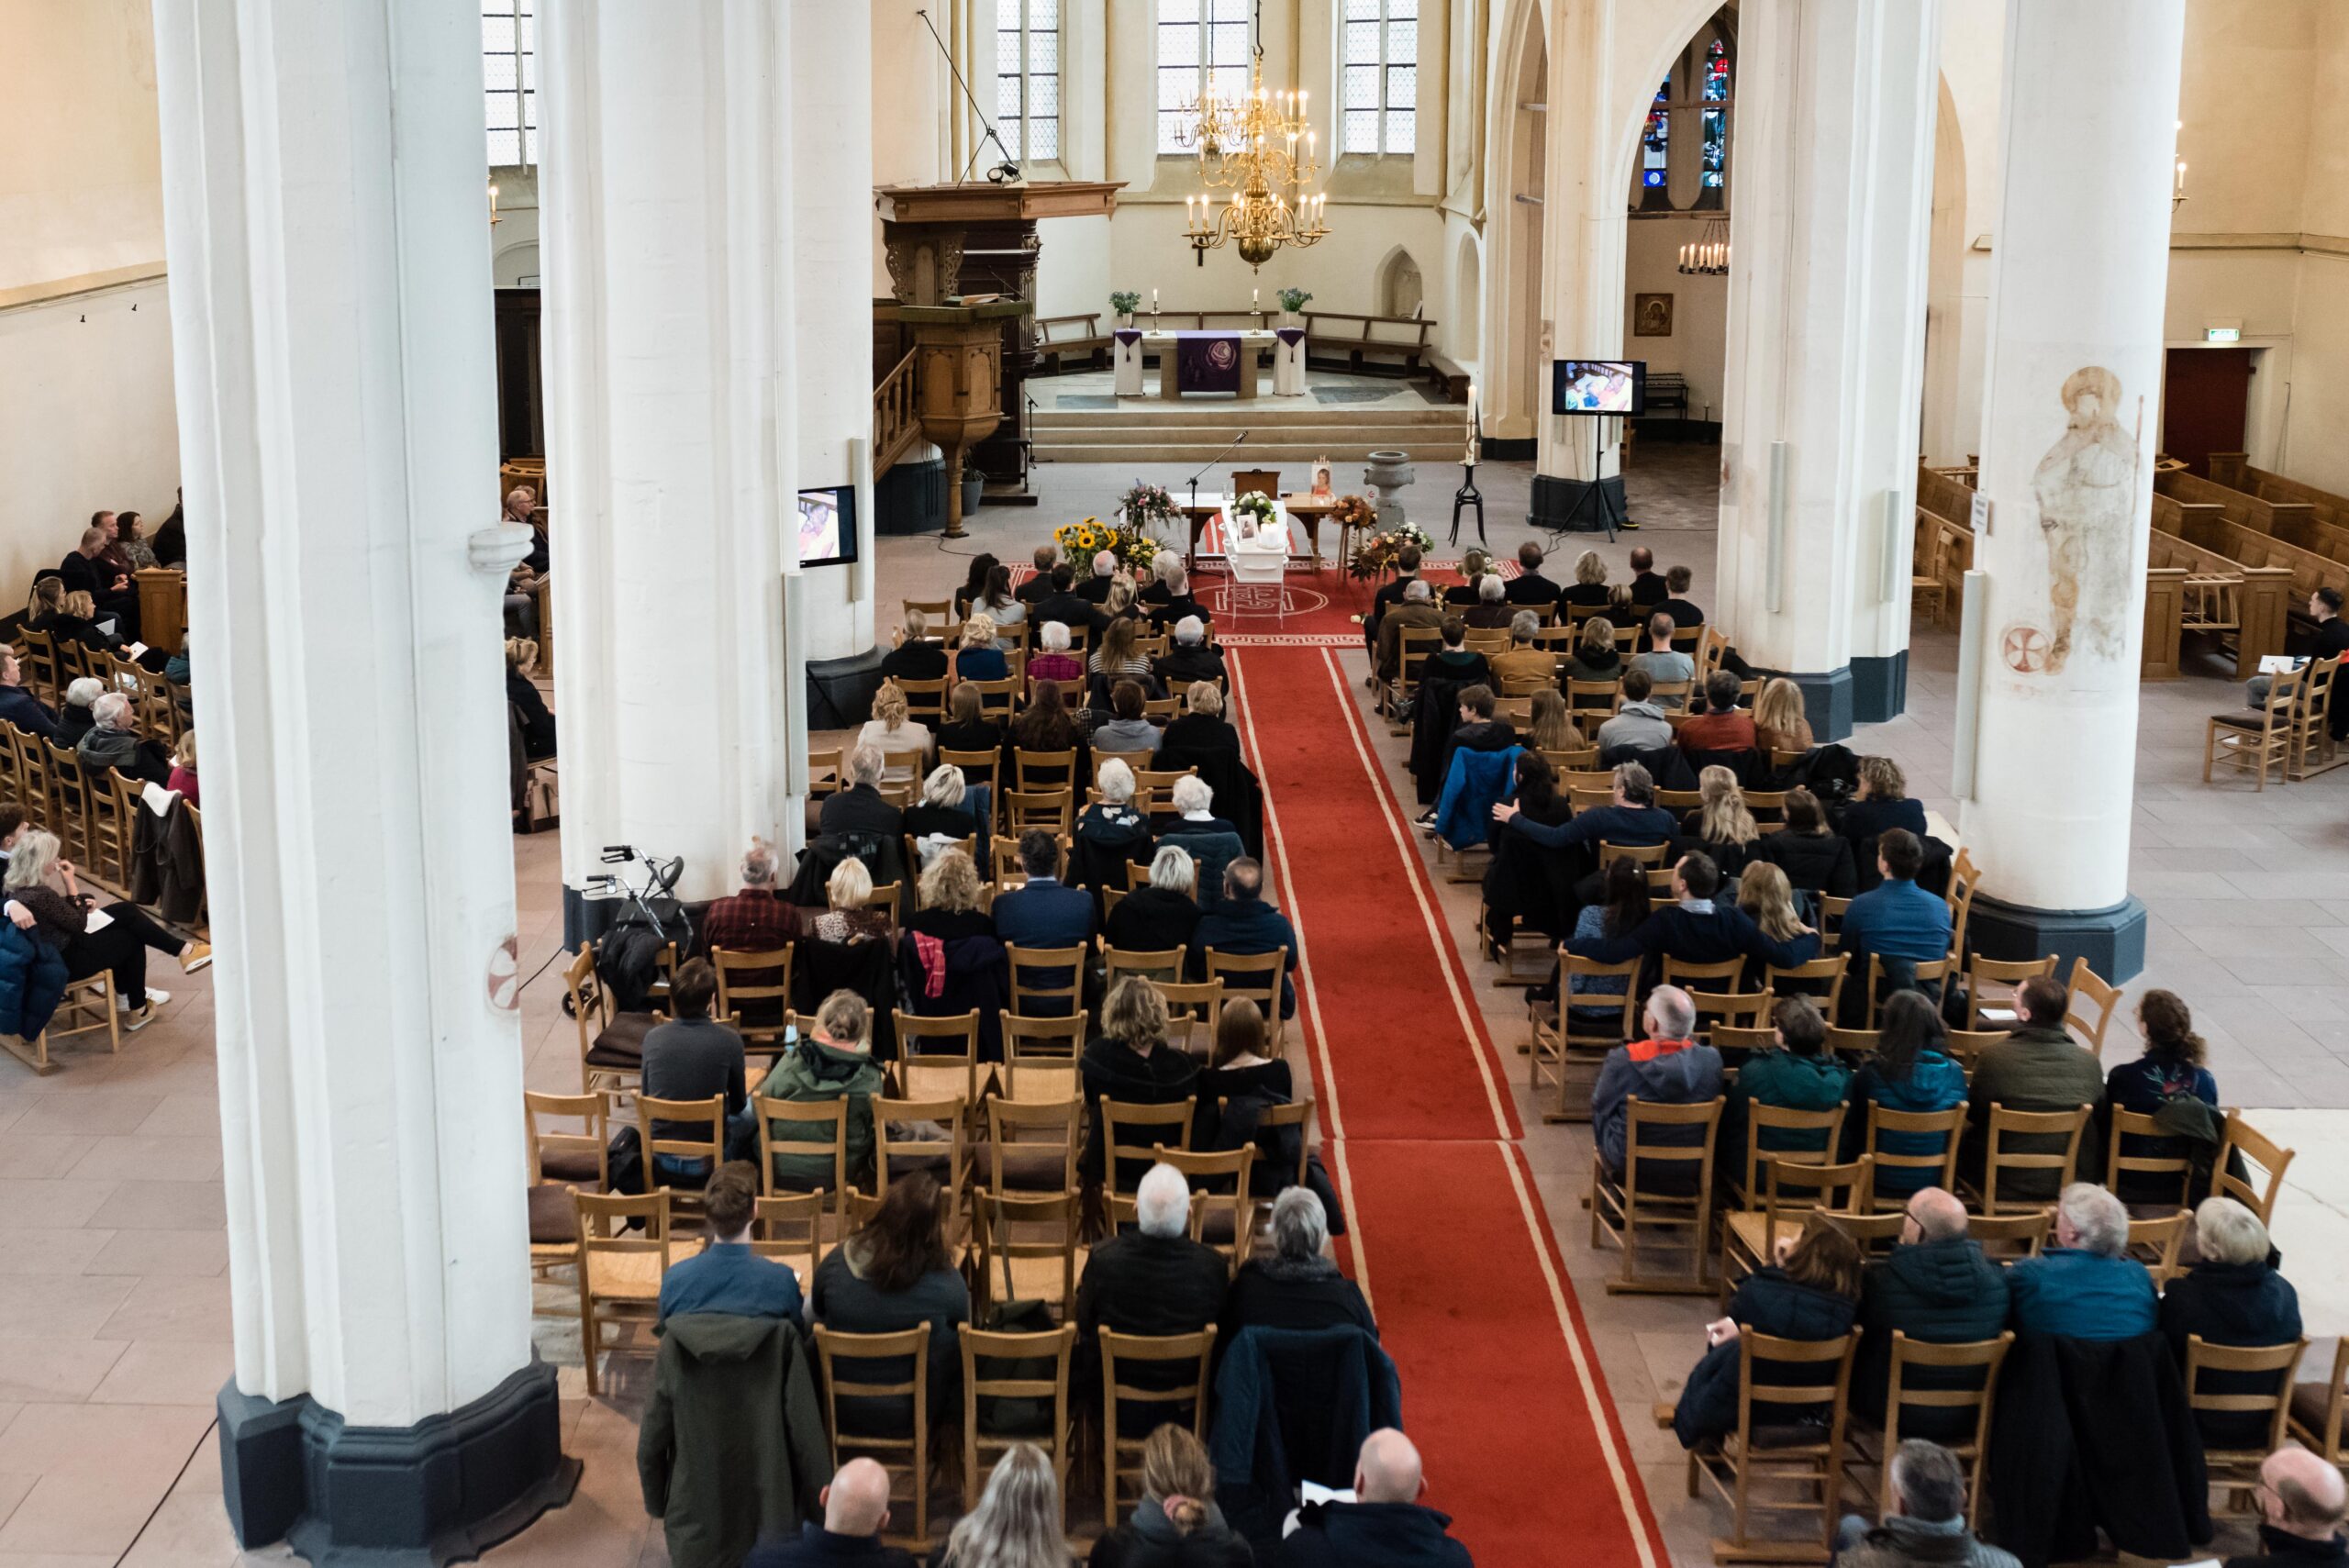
(1655, 141)
(1715, 172)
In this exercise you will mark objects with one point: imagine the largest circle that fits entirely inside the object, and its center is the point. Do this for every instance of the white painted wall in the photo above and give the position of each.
(1700, 336)
(86, 382)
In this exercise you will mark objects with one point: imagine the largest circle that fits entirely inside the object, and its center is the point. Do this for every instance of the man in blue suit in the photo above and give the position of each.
(726, 1276)
(1045, 913)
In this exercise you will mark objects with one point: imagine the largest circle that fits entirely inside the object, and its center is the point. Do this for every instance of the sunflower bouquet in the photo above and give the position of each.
(1080, 541)
(1378, 555)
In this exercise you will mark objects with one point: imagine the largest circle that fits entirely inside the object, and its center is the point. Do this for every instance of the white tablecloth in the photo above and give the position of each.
(1125, 361)
(1289, 363)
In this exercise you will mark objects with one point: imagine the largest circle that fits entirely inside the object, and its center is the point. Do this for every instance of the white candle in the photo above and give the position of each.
(1255, 299)
(1154, 301)
(2181, 177)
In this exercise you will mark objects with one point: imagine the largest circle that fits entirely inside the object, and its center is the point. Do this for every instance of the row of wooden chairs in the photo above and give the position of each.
(49, 665)
(2290, 733)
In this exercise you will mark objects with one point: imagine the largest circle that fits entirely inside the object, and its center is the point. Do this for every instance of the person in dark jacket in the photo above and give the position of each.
(2085, 1287)
(1911, 1070)
(726, 1275)
(1649, 588)
(1798, 1074)
(1811, 1293)
(967, 728)
(1160, 915)
(84, 571)
(1133, 1064)
(1243, 925)
(732, 1445)
(19, 707)
(1936, 1287)
(1189, 656)
(858, 806)
(1177, 1524)
(1384, 1527)
(522, 692)
(1816, 860)
(1455, 661)
(1924, 1519)
(1044, 913)
(2301, 1501)
(856, 1510)
(894, 1274)
(1631, 818)
(1152, 1279)
(1696, 930)
(914, 654)
(1529, 587)
(1298, 1286)
(1667, 1068)
(2037, 1067)
(1883, 803)
(2232, 1297)
(171, 539)
(1110, 834)
(693, 1057)
(2170, 1068)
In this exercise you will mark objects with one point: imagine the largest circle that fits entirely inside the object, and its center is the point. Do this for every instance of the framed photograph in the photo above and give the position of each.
(1652, 315)
(1320, 476)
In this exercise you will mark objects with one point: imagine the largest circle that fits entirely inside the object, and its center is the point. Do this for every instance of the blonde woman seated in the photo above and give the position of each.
(1721, 826)
(1589, 586)
(950, 901)
(1780, 723)
(522, 693)
(1551, 728)
(903, 742)
(1769, 899)
(1177, 1524)
(1596, 657)
(45, 898)
(944, 817)
(850, 918)
(976, 657)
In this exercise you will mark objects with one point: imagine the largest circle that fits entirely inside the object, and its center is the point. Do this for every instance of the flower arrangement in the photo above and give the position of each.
(1125, 301)
(1376, 556)
(1256, 507)
(1145, 506)
(1080, 541)
(1293, 299)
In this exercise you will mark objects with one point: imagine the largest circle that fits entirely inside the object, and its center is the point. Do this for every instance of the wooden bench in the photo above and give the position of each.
(1447, 378)
(1057, 336)
(2233, 470)
(2293, 522)
(1402, 338)
(2261, 599)
(2207, 524)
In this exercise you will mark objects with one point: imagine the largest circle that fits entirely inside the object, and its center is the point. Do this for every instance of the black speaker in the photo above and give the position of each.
(840, 691)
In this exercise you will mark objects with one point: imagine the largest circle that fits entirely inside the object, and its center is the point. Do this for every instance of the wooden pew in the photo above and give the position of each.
(1945, 496)
(2262, 604)
(2293, 522)
(1401, 338)
(1058, 337)
(2233, 470)
(2207, 525)
(2164, 623)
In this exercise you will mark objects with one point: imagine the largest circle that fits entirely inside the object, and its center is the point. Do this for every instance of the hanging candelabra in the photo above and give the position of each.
(1250, 146)
(1708, 256)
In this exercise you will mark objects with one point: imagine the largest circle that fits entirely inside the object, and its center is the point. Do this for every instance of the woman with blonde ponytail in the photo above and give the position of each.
(1177, 1524)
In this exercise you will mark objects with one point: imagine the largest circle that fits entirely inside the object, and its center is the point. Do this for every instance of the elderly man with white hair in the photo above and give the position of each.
(1153, 1278)
(1159, 915)
(1111, 835)
(858, 806)
(1492, 610)
(113, 742)
(1094, 590)
(2085, 1287)
(2232, 1295)
(1055, 662)
(1189, 656)
(755, 919)
(1667, 1068)
(1384, 1527)
(1299, 1285)
(1419, 609)
(1179, 602)
(1212, 842)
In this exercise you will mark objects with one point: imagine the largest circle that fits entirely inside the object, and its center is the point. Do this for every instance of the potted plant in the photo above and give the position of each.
(1292, 301)
(1125, 301)
(974, 485)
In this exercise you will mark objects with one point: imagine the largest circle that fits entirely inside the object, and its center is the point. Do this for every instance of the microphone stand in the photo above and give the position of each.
(1190, 518)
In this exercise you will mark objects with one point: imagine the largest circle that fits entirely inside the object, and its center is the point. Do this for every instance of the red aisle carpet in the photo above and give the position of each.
(1500, 1386)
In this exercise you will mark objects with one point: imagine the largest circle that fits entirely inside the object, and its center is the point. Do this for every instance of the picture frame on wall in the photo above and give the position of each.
(1652, 315)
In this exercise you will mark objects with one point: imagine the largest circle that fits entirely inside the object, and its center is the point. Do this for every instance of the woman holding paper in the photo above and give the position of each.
(45, 899)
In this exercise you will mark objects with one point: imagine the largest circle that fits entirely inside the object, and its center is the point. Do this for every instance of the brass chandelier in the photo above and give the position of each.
(1249, 146)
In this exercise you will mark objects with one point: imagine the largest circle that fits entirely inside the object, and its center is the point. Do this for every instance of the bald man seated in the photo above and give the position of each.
(1935, 1286)
(1384, 1527)
(856, 1510)
(2300, 1505)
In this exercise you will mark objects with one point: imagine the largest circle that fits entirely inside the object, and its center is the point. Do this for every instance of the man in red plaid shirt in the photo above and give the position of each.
(755, 919)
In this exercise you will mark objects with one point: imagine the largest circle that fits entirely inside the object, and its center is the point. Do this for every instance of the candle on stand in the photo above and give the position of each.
(1255, 299)
(1154, 301)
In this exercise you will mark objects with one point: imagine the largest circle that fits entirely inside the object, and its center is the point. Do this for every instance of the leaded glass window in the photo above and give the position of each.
(1028, 79)
(1202, 52)
(509, 73)
(1378, 84)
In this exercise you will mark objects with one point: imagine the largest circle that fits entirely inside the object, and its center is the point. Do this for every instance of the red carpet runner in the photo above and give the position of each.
(1500, 1386)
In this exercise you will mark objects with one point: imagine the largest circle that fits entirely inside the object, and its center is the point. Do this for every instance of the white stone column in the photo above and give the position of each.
(1836, 102)
(326, 230)
(671, 140)
(2072, 397)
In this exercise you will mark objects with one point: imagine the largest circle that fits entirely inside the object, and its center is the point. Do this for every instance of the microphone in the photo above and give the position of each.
(1193, 480)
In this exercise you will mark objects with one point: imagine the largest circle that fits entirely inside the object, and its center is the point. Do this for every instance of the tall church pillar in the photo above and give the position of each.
(1832, 199)
(2072, 397)
(669, 142)
(328, 233)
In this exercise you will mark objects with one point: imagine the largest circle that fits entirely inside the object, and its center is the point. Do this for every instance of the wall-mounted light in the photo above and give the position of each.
(492, 203)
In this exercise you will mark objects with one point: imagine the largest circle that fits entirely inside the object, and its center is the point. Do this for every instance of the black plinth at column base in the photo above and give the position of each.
(1554, 498)
(2112, 941)
(1879, 687)
(442, 1491)
(1826, 700)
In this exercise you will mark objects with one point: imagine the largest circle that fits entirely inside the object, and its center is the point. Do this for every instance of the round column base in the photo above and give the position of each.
(2111, 940)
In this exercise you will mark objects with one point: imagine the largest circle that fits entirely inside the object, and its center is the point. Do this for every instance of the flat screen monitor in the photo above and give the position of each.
(1598, 386)
(828, 526)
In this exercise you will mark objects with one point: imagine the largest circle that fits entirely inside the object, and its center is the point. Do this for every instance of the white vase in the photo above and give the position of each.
(1125, 318)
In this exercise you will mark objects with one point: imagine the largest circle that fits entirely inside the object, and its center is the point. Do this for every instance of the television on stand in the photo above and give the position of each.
(1600, 387)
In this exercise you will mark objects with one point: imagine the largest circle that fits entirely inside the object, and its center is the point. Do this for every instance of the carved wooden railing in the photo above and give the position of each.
(897, 417)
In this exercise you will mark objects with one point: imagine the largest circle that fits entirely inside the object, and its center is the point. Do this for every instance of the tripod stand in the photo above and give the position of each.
(1595, 496)
(1465, 496)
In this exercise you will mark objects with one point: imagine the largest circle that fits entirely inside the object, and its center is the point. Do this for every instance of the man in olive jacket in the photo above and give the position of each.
(732, 1448)
(2037, 1067)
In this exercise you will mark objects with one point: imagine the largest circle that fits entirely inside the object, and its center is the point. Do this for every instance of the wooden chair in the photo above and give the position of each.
(611, 1045)
(1029, 1247)
(1221, 1176)
(1853, 1045)
(927, 1069)
(1830, 915)
(69, 797)
(1569, 1051)
(802, 1118)
(982, 1448)
(680, 1144)
(997, 697)
(1804, 979)
(1052, 808)
(2119, 1164)
(2236, 1469)
(2312, 750)
(1949, 1126)
(2316, 1408)
(2157, 1241)
(925, 701)
(1191, 1009)
(2256, 739)
(1793, 1189)
(1165, 964)
(978, 767)
(1875, 1235)
(1059, 1000)
(1746, 1189)
(1965, 1046)
(40, 671)
(2001, 1156)
(1133, 1133)
(1297, 1114)
(1040, 1056)
(1743, 1462)
(1121, 1455)
(2011, 1236)
(2258, 1153)
(895, 1152)
(620, 1271)
(1258, 977)
(87, 1006)
(114, 821)
(789, 1226)
(1664, 1187)
(1925, 583)
(906, 1455)
(1944, 1365)
(1935, 969)
(1982, 974)
(581, 1158)
(762, 982)
(1032, 1145)
(2102, 999)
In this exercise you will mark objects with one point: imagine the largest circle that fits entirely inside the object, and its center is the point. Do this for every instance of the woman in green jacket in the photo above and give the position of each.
(835, 1063)
(1800, 1074)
